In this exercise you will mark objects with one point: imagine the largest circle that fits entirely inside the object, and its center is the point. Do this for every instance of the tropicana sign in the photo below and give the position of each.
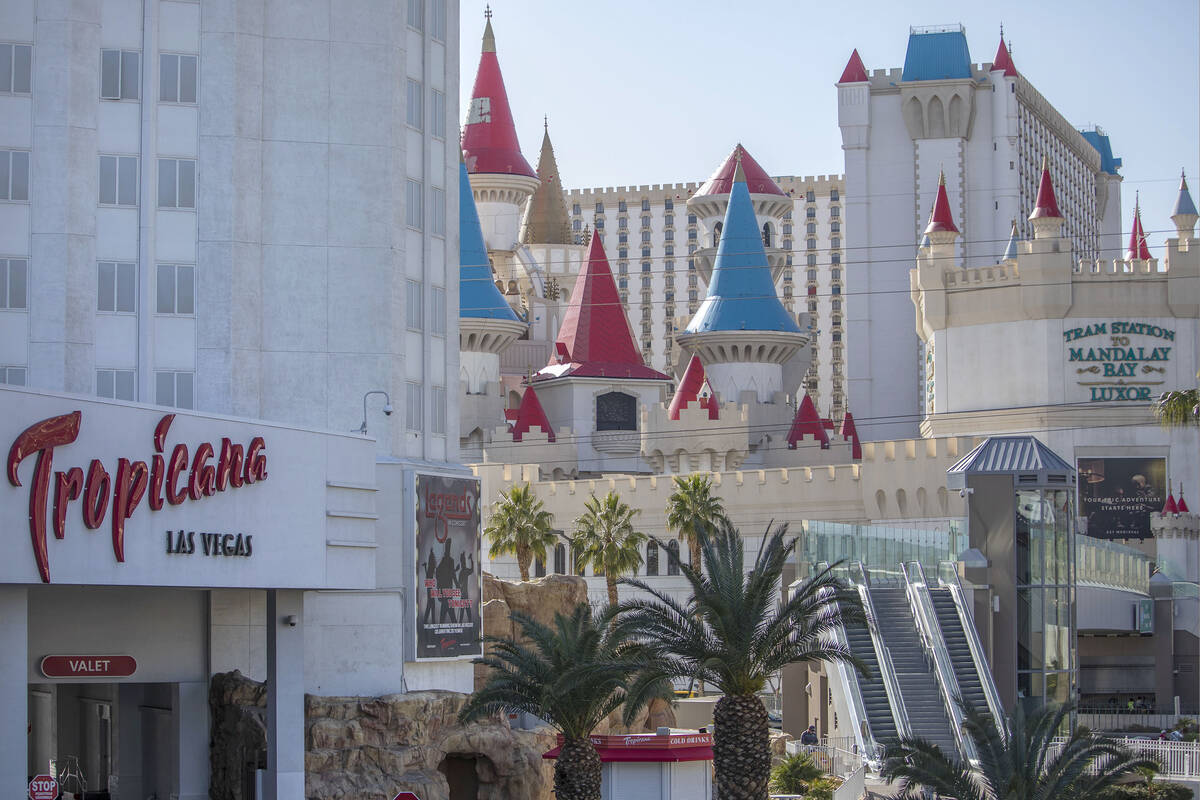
(172, 479)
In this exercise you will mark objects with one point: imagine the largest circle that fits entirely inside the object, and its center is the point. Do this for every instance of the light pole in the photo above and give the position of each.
(387, 408)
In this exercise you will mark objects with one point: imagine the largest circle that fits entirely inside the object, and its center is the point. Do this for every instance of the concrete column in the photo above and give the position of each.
(14, 690)
(130, 757)
(285, 695)
(190, 703)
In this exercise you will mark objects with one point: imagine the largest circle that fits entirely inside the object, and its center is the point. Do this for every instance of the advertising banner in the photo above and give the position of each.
(1117, 495)
(448, 580)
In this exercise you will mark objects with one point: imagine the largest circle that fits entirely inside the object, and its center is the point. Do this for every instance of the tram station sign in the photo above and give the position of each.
(1119, 360)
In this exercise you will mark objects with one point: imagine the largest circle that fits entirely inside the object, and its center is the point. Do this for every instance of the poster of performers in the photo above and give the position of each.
(1117, 495)
(449, 583)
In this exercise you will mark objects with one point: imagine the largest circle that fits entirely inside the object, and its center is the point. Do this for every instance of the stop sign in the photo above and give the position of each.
(43, 787)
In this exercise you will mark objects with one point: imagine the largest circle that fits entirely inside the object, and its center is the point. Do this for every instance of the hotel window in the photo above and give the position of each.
(835, 227)
(646, 282)
(787, 244)
(577, 225)
(646, 221)
(810, 213)
(14, 175)
(413, 406)
(622, 223)
(812, 307)
(176, 78)
(437, 312)
(812, 274)
(16, 66)
(645, 237)
(835, 211)
(12, 376)
(692, 298)
(835, 320)
(575, 209)
(669, 220)
(645, 266)
(599, 208)
(668, 266)
(599, 224)
(645, 207)
(834, 196)
(14, 282)
(810, 196)
(645, 252)
(438, 411)
(622, 283)
(812, 259)
(621, 207)
(812, 244)
(835, 274)
(669, 249)
(692, 280)
(836, 258)
(414, 306)
(622, 238)
(115, 289)
(811, 228)
(836, 289)
(120, 74)
(622, 252)
(416, 14)
(835, 242)
(673, 557)
(652, 558)
(118, 180)
(176, 183)
(437, 23)
(787, 229)
(414, 213)
(437, 110)
(836, 305)
(413, 105)
(115, 384)
(174, 389)
(668, 204)
(176, 288)
(437, 212)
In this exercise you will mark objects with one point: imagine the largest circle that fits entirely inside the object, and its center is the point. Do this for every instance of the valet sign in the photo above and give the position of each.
(1119, 360)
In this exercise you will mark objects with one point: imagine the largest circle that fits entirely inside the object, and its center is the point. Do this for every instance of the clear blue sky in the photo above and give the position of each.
(658, 91)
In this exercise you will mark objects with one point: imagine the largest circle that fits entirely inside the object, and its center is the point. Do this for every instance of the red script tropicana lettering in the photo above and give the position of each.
(132, 481)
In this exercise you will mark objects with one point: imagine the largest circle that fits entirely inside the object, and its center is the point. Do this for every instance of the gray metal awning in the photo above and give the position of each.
(1025, 458)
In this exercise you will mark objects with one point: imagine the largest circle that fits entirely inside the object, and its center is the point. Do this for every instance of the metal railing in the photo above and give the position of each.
(917, 590)
(948, 578)
(887, 670)
(864, 738)
(1176, 760)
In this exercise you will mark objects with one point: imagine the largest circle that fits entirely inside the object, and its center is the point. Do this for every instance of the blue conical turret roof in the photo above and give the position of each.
(741, 294)
(1010, 252)
(1184, 203)
(478, 296)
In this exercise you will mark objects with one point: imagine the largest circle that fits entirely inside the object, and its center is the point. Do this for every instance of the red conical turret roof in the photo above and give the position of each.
(1169, 507)
(941, 220)
(850, 434)
(530, 414)
(689, 391)
(1138, 249)
(1181, 504)
(489, 140)
(594, 339)
(854, 72)
(1003, 61)
(807, 423)
(1046, 205)
(757, 180)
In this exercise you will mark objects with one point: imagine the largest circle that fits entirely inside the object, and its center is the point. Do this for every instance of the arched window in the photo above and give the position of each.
(616, 411)
(767, 234)
(717, 234)
(560, 559)
(539, 568)
(652, 558)
(673, 557)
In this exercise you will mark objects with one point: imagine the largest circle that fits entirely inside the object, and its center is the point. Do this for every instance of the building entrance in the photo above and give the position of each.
(104, 740)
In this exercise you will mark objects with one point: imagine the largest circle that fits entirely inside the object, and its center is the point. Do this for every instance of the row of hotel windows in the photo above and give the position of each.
(121, 76)
(651, 561)
(669, 205)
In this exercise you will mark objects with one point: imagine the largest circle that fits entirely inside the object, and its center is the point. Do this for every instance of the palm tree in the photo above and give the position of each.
(606, 539)
(572, 675)
(692, 506)
(734, 633)
(520, 526)
(1178, 409)
(1018, 760)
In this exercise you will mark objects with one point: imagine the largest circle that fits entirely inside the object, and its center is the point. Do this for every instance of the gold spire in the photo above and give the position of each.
(738, 173)
(546, 220)
(941, 177)
(489, 38)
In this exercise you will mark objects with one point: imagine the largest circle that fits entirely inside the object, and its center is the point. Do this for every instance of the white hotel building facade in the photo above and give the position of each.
(242, 213)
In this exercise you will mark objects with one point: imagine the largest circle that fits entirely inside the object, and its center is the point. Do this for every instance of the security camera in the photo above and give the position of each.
(965, 492)
(291, 620)
(387, 409)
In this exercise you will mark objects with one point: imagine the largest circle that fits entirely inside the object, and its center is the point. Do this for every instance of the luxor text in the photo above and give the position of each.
(211, 544)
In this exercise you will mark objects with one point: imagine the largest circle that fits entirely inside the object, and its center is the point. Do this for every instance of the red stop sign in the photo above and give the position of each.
(43, 787)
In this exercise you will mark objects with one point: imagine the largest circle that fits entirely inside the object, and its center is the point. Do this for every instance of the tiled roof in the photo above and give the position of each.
(807, 422)
(757, 179)
(1010, 252)
(1003, 60)
(689, 391)
(489, 139)
(530, 414)
(1103, 146)
(1012, 455)
(546, 220)
(594, 339)
(741, 294)
(940, 219)
(1046, 204)
(1137, 249)
(850, 433)
(1184, 203)
(854, 72)
(478, 296)
(937, 56)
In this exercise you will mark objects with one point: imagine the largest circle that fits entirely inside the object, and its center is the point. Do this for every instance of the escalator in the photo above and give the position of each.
(874, 694)
(969, 684)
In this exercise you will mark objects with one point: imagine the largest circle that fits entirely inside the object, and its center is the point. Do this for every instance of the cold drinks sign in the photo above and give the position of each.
(114, 492)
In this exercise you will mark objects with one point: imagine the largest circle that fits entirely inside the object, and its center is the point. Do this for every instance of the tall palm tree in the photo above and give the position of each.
(692, 506)
(734, 633)
(1178, 409)
(520, 526)
(606, 539)
(1017, 760)
(572, 675)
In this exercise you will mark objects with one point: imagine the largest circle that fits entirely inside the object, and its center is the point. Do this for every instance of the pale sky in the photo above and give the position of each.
(659, 91)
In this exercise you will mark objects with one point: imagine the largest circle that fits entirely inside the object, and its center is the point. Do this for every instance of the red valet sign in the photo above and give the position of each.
(88, 666)
(173, 479)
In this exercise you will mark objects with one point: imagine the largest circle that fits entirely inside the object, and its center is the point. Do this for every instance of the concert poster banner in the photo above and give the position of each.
(1117, 495)
(449, 566)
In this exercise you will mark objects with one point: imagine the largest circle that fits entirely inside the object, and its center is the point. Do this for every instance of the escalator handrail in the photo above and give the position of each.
(860, 723)
(887, 670)
(967, 620)
(917, 591)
